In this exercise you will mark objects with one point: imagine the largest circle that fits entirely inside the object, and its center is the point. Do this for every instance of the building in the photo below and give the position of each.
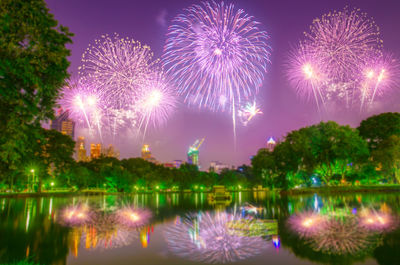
(146, 154)
(217, 167)
(110, 151)
(193, 152)
(80, 150)
(177, 163)
(271, 144)
(63, 123)
(95, 151)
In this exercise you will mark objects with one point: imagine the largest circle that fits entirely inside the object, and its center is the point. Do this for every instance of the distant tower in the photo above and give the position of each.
(146, 154)
(95, 151)
(193, 153)
(110, 152)
(271, 144)
(63, 123)
(80, 150)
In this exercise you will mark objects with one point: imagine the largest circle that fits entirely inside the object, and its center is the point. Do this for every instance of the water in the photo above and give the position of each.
(188, 229)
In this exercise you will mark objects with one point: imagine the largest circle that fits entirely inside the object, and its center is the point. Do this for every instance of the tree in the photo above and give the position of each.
(387, 157)
(33, 67)
(377, 128)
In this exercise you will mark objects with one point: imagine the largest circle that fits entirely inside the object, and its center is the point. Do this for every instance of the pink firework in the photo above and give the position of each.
(377, 221)
(207, 238)
(115, 68)
(379, 75)
(342, 42)
(307, 224)
(132, 217)
(304, 74)
(217, 55)
(328, 62)
(156, 102)
(76, 215)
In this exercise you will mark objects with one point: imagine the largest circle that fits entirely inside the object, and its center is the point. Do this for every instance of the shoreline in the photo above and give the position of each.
(291, 192)
(343, 189)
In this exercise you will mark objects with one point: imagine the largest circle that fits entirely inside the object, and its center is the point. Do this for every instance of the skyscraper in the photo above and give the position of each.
(63, 123)
(271, 144)
(80, 150)
(110, 151)
(95, 151)
(146, 154)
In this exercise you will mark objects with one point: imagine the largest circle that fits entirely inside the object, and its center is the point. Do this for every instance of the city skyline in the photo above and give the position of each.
(282, 109)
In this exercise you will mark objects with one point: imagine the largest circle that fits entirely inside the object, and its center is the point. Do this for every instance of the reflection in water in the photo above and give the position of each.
(101, 229)
(212, 238)
(132, 217)
(342, 231)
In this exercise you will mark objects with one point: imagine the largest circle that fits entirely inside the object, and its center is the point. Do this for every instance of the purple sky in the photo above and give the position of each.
(284, 20)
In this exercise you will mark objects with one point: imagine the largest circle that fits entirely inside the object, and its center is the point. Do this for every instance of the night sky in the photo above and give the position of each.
(284, 20)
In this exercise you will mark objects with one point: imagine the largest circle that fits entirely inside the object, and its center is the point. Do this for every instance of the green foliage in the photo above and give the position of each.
(326, 149)
(33, 67)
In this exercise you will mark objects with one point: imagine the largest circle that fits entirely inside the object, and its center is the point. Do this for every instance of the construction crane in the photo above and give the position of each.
(193, 153)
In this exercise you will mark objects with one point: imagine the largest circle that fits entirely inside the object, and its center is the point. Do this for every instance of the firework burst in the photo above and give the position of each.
(217, 56)
(116, 67)
(377, 221)
(248, 112)
(328, 62)
(207, 238)
(307, 224)
(342, 236)
(379, 75)
(77, 215)
(157, 101)
(131, 217)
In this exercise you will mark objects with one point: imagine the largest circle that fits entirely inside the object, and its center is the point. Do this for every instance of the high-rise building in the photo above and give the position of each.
(177, 163)
(217, 167)
(80, 150)
(146, 154)
(271, 144)
(110, 151)
(63, 123)
(95, 151)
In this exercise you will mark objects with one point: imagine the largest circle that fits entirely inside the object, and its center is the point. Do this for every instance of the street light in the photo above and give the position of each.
(33, 179)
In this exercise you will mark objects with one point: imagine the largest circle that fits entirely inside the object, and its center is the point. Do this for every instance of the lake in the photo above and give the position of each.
(250, 228)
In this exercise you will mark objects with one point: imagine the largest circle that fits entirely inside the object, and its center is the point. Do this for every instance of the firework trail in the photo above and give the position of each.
(217, 56)
(207, 238)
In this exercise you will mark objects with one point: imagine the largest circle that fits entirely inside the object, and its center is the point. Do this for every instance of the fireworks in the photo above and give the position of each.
(157, 100)
(217, 56)
(307, 224)
(330, 62)
(131, 217)
(83, 104)
(248, 112)
(377, 221)
(76, 215)
(378, 76)
(207, 238)
(340, 237)
(116, 69)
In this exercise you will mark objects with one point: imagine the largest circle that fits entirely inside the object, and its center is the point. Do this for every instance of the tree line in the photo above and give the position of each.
(331, 154)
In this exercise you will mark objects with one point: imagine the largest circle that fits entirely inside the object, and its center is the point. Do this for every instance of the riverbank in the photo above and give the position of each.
(343, 189)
